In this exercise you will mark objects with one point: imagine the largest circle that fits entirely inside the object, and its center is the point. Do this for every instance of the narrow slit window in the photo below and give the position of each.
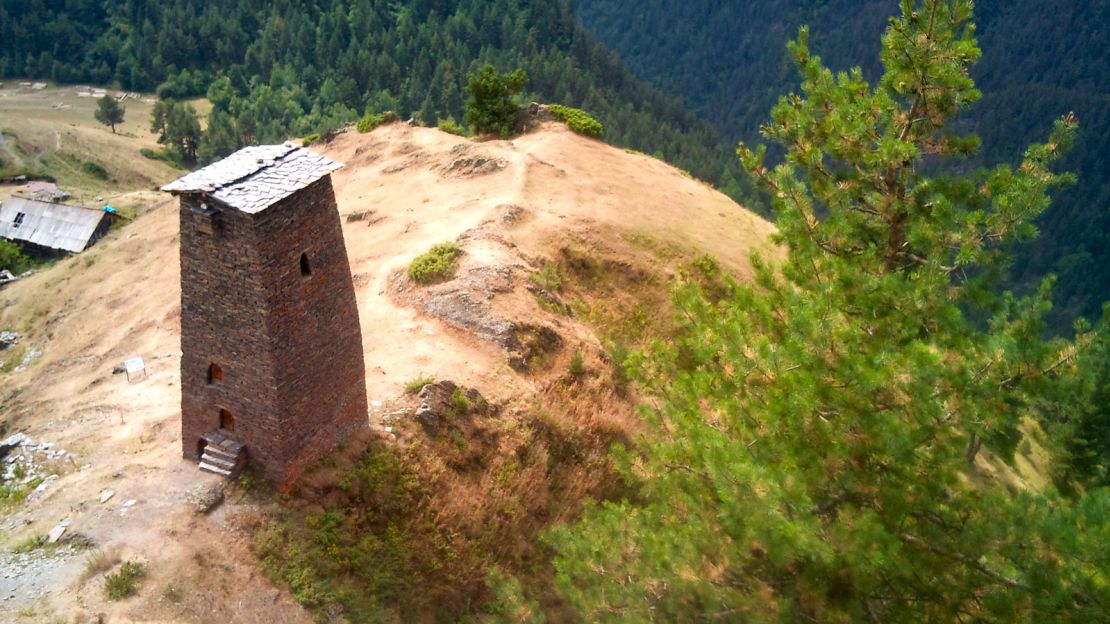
(215, 374)
(227, 421)
(19, 216)
(306, 267)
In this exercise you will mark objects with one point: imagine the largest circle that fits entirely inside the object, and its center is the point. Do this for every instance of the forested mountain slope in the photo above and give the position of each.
(303, 66)
(728, 62)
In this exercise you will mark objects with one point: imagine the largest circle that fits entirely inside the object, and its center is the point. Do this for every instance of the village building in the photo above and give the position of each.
(271, 350)
(52, 228)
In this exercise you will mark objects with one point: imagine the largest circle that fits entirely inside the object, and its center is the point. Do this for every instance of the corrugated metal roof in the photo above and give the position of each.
(255, 178)
(57, 226)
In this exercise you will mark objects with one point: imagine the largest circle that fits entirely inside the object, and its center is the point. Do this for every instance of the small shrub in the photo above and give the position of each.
(620, 356)
(310, 139)
(459, 403)
(438, 263)
(577, 120)
(577, 364)
(450, 126)
(123, 583)
(95, 170)
(414, 386)
(370, 121)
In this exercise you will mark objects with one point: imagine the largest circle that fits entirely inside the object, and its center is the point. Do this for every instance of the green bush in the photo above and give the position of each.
(310, 139)
(450, 126)
(436, 264)
(95, 170)
(370, 121)
(577, 120)
(122, 584)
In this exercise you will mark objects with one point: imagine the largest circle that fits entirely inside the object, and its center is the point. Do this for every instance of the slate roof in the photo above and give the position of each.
(57, 226)
(255, 178)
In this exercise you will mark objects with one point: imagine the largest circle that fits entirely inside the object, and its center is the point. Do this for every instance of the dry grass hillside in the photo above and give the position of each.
(569, 247)
(53, 131)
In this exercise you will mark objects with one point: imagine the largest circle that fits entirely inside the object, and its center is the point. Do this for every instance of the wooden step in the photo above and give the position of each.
(211, 452)
(216, 469)
(216, 460)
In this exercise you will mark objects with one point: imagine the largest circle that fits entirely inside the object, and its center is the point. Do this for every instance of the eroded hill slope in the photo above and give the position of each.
(569, 247)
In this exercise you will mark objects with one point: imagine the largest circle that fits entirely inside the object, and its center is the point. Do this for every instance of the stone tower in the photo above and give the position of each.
(271, 350)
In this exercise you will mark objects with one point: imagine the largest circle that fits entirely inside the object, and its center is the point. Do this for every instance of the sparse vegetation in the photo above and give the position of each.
(12, 494)
(547, 277)
(31, 543)
(124, 583)
(172, 592)
(577, 120)
(414, 386)
(98, 562)
(369, 121)
(436, 264)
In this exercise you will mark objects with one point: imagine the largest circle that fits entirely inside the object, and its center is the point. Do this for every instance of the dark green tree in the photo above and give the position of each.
(814, 445)
(490, 108)
(179, 129)
(109, 112)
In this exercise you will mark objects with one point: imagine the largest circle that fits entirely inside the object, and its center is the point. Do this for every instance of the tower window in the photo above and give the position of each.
(306, 268)
(19, 216)
(215, 374)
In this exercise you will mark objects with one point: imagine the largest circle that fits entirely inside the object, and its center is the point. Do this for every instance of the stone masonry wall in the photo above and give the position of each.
(321, 378)
(289, 344)
(223, 321)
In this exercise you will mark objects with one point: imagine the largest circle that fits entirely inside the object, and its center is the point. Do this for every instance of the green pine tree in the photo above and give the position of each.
(813, 451)
(490, 108)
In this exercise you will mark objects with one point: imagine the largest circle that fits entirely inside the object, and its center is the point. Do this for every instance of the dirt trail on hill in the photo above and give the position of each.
(510, 204)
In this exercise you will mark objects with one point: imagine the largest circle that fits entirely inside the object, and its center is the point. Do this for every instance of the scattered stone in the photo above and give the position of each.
(106, 495)
(512, 212)
(437, 404)
(28, 358)
(469, 166)
(47, 482)
(9, 338)
(57, 532)
(206, 497)
(12, 442)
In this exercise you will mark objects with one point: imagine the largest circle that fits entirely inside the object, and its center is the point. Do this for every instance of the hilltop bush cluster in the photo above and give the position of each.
(370, 121)
(577, 120)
